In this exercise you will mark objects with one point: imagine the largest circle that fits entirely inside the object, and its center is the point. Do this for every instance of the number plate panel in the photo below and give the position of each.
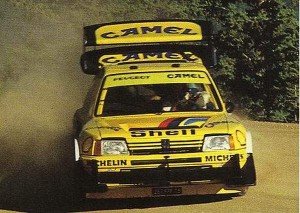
(166, 191)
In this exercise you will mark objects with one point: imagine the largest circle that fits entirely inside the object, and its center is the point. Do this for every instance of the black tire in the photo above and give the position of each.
(78, 185)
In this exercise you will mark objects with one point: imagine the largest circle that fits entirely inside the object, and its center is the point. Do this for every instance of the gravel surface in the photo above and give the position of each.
(34, 188)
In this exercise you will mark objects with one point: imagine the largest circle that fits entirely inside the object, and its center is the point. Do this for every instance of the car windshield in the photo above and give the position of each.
(160, 98)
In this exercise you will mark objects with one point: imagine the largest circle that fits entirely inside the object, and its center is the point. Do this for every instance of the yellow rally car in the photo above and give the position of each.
(153, 123)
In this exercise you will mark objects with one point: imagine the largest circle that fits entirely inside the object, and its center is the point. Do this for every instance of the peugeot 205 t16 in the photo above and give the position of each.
(153, 122)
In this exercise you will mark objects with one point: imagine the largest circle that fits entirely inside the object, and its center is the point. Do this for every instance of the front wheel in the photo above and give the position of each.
(78, 185)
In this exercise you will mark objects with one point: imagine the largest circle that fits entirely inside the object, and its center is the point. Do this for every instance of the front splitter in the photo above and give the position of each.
(121, 191)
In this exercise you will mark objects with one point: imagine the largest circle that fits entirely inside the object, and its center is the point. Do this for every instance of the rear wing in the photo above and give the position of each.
(142, 32)
(147, 41)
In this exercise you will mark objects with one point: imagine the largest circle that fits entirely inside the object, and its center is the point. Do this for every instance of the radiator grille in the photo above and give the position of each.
(155, 147)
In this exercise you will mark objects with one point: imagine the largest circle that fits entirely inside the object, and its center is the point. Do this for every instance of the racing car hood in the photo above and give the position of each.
(162, 126)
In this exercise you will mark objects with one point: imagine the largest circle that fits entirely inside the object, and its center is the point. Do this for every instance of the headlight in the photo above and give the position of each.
(217, 142)
(114, 147)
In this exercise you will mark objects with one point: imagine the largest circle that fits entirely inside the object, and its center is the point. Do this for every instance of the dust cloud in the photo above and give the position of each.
(41, 87)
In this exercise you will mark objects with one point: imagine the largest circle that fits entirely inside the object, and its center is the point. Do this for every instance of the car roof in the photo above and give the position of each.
(153, 67)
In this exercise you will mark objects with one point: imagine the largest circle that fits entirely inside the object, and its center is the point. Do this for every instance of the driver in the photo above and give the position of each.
(193, 100)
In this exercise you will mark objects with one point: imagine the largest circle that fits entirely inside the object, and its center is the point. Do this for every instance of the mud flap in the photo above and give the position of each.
(237, 176)
(87, 181)
(248, 171)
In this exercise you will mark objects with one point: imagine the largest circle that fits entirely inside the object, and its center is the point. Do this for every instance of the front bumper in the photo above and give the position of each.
(192, 180)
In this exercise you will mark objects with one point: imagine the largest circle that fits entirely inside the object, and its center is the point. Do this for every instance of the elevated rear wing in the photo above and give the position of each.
(147, 41)
(142, 32)
(92, 62)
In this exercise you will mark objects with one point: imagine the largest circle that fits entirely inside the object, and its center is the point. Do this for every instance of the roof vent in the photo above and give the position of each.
(133, 67)
(175, 65)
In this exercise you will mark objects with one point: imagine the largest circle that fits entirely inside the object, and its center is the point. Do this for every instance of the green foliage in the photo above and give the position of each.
(280, 116)
(257, 42)
(258, 46)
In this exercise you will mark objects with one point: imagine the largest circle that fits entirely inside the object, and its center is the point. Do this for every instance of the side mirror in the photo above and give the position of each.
(89, 63)
(229, 106)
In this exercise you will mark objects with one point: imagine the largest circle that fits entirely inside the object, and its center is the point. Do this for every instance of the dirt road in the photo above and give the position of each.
(276, 158)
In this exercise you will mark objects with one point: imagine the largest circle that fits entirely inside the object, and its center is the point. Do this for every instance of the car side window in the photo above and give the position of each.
(92, 93)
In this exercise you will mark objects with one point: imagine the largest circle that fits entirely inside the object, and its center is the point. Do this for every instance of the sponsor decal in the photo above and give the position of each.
(155, 133)
(184, 75)
(220, 158)
(143, 30)
(144, 57)
(175, 122)
(210, 125)
(108, 127)
(134, 77)
(171, 123)
(112, 163)
(152, 78)
(194, 120)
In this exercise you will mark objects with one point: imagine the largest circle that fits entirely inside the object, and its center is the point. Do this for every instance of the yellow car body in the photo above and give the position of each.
(131, 147)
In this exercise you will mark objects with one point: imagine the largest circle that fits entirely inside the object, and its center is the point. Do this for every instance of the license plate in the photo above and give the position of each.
(166, 191)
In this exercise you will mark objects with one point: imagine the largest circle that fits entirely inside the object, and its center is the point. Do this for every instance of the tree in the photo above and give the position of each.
(258, 47)
(274, 32)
